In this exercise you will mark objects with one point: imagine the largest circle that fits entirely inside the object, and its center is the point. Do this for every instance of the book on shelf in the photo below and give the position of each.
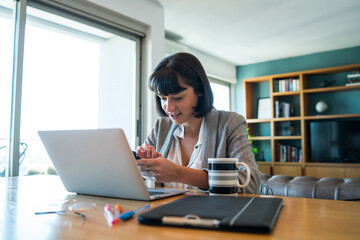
(286, 109)
(293, 153)
(354, 75)
(353, 79)
(277, 109)
(283, 154)
(352, 83)
(277, 152)
(276, 86)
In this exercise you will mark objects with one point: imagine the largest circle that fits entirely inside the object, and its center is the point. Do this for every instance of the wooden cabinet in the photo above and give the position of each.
(285, 136)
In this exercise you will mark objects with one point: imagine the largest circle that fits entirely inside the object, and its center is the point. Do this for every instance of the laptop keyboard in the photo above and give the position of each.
(153, 193)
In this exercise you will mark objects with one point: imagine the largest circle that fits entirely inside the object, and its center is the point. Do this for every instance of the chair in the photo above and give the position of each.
(265, 190)
(23, 147)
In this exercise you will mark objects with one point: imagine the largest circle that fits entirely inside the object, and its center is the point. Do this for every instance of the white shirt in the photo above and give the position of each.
(175, 153)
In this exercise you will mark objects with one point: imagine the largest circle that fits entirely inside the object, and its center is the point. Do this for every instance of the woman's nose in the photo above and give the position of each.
(169, 106)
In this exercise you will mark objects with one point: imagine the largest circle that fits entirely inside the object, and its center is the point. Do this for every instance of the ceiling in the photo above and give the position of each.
(250, 31)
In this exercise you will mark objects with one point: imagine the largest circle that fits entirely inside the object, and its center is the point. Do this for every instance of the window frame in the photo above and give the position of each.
(84, 12)
(216, 80)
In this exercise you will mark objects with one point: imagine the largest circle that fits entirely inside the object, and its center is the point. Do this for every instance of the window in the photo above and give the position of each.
(221, 91)
(75, 75)
(6, 26)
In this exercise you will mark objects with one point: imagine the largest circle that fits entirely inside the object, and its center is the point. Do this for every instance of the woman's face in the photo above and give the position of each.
(180, 106)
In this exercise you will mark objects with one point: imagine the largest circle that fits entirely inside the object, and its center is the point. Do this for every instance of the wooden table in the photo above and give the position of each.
(21, 197)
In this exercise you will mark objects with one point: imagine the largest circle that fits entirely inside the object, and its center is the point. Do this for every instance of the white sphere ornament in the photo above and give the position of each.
(321, 106)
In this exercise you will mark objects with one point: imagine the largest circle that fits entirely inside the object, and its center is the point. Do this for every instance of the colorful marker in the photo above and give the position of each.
(118, 211)
(108, 215)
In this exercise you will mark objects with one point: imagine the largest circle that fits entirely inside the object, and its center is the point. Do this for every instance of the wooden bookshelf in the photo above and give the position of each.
(302, 99)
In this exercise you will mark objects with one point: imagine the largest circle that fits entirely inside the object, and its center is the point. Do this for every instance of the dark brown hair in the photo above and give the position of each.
(164, 81)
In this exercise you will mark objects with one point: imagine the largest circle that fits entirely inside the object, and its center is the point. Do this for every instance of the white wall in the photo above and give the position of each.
(214, 67)
(151, 14)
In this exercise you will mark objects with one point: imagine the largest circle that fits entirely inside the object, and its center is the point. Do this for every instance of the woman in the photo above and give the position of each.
(190, 130)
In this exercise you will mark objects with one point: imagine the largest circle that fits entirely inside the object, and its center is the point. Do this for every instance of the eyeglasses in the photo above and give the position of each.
(73, 206)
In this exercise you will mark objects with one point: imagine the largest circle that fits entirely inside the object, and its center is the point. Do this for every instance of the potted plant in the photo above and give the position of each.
(253, 149)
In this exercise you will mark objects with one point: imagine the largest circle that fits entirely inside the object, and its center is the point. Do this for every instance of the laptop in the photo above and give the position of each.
(99, 162)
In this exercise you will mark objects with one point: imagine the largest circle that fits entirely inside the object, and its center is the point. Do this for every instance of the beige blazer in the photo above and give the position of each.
(225, 135)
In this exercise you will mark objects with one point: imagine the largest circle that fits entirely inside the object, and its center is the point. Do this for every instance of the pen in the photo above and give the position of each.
(199, 222)
(108, 215)
(127, 215)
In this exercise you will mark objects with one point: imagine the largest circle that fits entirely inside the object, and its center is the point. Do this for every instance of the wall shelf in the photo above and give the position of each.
(286, 119)
(319, 117)
(287, 164)
(308, 91)
(260, 138)
(258, 120)
(286, 137)
(332, 89)
(290, 93)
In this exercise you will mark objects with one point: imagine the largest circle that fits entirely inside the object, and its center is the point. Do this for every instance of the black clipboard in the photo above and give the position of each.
(243, 214)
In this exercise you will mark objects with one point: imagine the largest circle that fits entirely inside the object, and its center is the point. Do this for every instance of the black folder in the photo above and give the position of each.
(244, 214)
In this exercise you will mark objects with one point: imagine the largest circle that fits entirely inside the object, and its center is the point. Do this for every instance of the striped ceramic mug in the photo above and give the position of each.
(223, 176)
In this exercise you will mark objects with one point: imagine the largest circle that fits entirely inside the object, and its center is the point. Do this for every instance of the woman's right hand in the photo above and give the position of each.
(147, 151)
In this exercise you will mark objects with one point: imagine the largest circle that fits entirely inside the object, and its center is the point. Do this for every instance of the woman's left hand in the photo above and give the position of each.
(163, 169)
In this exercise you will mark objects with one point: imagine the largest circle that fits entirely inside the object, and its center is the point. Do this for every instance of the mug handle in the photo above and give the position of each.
(247, 172)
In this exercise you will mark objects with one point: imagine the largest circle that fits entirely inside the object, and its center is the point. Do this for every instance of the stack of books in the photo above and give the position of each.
(283, 109)
(353, 79)
(286, 85)
(288, 153)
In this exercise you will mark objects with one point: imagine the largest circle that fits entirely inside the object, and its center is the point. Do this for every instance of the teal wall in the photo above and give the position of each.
(307, 62)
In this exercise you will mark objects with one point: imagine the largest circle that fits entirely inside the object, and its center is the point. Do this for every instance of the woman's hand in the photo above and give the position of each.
(163, 169)
(147, 151)
(153, 166)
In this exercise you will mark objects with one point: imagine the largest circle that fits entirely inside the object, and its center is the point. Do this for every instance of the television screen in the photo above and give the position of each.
(335, 141)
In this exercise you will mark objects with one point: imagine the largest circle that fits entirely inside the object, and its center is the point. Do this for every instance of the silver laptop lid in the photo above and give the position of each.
(95, 162)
